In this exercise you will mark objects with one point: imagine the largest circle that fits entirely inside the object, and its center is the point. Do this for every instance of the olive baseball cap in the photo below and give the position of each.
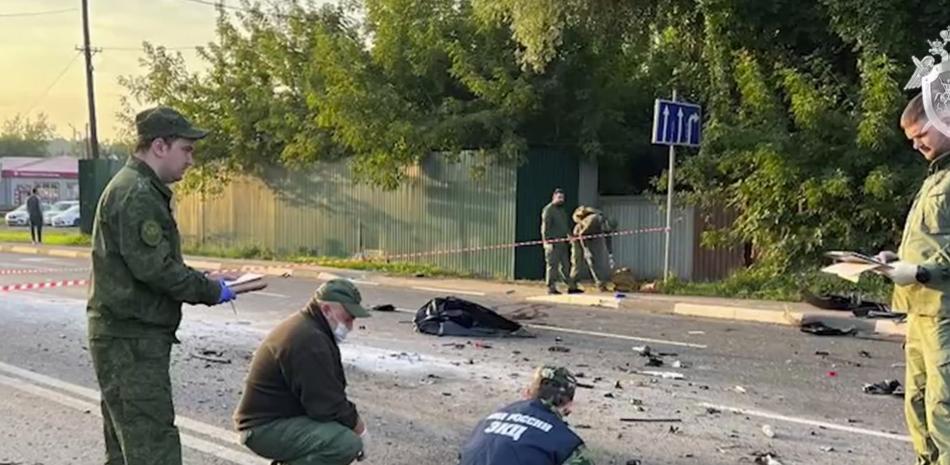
(342, 291)
(165, 122)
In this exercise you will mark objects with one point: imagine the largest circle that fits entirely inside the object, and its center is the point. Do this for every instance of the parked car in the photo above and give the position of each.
(70, 217)
(20, 217)
(57, 208)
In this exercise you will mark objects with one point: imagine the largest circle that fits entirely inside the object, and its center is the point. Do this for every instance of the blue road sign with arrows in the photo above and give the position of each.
(677, 123)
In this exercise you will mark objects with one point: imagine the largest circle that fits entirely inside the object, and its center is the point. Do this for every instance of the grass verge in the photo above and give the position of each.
(65, 237)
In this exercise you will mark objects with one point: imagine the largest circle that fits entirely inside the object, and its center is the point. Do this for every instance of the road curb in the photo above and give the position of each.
(789, 317)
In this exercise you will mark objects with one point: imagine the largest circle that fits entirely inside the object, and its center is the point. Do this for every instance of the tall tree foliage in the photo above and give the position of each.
(21, 136)
(801, 98)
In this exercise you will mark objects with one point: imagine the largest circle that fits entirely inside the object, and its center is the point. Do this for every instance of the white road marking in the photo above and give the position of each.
(268, 294)
(448, 291)
(617, 336)
(805, 421)
(187, 440)
(596, 334)
(214, 432)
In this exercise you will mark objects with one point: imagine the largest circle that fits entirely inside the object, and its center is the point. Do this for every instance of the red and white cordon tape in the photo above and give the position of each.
(6, 272)
(513, 245)
(44, 285)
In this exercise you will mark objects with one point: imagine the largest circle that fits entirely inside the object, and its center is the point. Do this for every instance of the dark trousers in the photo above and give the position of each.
(36, 231)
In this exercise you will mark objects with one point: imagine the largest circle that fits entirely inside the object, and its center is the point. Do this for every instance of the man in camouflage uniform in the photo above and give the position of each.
(555, 225)
(596, 251)
(139, 282)
(532, 431)
(921, 274)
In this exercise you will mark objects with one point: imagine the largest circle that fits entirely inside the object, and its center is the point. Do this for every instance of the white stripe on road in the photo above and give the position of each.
(214, 432)
(448, 291)
(217, 450)
(596, 334)
(617, 336)
(268, 294)
(805, 421)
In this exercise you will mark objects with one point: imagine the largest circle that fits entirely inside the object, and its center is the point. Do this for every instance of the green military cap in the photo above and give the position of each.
(165, 122)
(554, 383)
(342, 291)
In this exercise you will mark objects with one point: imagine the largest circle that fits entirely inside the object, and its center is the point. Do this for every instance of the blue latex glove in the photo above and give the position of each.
(227, 294)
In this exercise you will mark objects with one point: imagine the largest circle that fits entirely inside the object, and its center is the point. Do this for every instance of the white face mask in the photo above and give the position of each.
(340, 332)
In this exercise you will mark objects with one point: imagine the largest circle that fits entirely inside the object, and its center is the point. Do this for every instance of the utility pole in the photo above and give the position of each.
(90, 92)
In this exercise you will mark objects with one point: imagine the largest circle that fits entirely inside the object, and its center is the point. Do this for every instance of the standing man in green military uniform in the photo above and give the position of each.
(139, 282)
(555, 225)
(921, 275)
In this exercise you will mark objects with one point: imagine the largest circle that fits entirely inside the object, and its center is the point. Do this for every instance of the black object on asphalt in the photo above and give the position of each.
(561, 349)
(818, 328)
(385, 308)
(853, 303)
(888, 387)
(654, 362)
(451, 316)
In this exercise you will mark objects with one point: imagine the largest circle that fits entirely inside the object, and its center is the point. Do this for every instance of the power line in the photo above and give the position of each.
(50, 87)
(219, 4)
(139, 49)
(36, 13)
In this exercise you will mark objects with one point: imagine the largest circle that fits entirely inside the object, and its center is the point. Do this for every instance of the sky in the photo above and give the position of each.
(36, 50)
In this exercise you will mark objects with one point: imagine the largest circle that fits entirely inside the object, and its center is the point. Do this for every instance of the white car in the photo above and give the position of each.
(70, 217)
(57, 208)
(20, 217)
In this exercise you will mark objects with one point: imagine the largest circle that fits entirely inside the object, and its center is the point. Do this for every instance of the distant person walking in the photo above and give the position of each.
(35, 210)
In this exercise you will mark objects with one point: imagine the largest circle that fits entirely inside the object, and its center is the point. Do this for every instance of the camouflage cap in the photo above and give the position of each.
(343, 292)
(553, 384)
(165, 122)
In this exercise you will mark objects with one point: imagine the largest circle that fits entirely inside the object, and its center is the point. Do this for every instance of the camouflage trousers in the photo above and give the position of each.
(302, 441)
(137, 412)
(557, 265)
(594, 253)
(927, 394)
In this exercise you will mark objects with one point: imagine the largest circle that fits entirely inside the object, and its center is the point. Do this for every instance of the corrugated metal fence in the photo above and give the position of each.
(324, 213)
(643, 253)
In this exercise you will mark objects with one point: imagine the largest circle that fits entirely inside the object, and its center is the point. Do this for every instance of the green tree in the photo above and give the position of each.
(22, 136)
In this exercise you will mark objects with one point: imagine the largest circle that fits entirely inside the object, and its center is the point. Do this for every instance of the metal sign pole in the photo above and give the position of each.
(669, 208)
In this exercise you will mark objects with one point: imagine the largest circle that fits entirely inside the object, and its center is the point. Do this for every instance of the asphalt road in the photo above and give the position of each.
(423, 394)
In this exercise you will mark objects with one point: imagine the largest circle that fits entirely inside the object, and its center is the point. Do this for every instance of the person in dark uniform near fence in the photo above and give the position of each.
(556, 225)
(34, 207)
(531, 431)
(139, 282)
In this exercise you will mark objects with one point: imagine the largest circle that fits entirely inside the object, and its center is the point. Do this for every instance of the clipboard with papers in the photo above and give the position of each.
(850, 265)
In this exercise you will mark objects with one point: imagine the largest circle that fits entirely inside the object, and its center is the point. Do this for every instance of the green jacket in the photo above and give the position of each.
(926, 242)
(554, 222)
(139, 278)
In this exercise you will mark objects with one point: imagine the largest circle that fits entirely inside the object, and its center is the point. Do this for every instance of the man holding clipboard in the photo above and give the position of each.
(920, 271)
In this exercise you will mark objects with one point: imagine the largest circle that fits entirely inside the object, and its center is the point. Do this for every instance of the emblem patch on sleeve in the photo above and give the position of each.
(151, 233)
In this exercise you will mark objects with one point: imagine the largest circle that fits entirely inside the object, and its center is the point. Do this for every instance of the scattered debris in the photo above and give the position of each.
(210, 358)
(768, 431)
(888, 387)
(864, 354)
(822, 353)
(766, 459)
(609, 395)
(212, 353)
(646, 351)
(740, 389)
(447, 394)
(832, 374)
(827, 449)
(598, 378)
(654, 362)
(583, 426)
(818, 328)
(680, 364)
(482, 345)
(713, 411)
(561, 349)
(618, 385)
(696, 333)
(634, 462)
(651, 420)
(384, 308)
(585, 386)
(454, 345)
(674, 429)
